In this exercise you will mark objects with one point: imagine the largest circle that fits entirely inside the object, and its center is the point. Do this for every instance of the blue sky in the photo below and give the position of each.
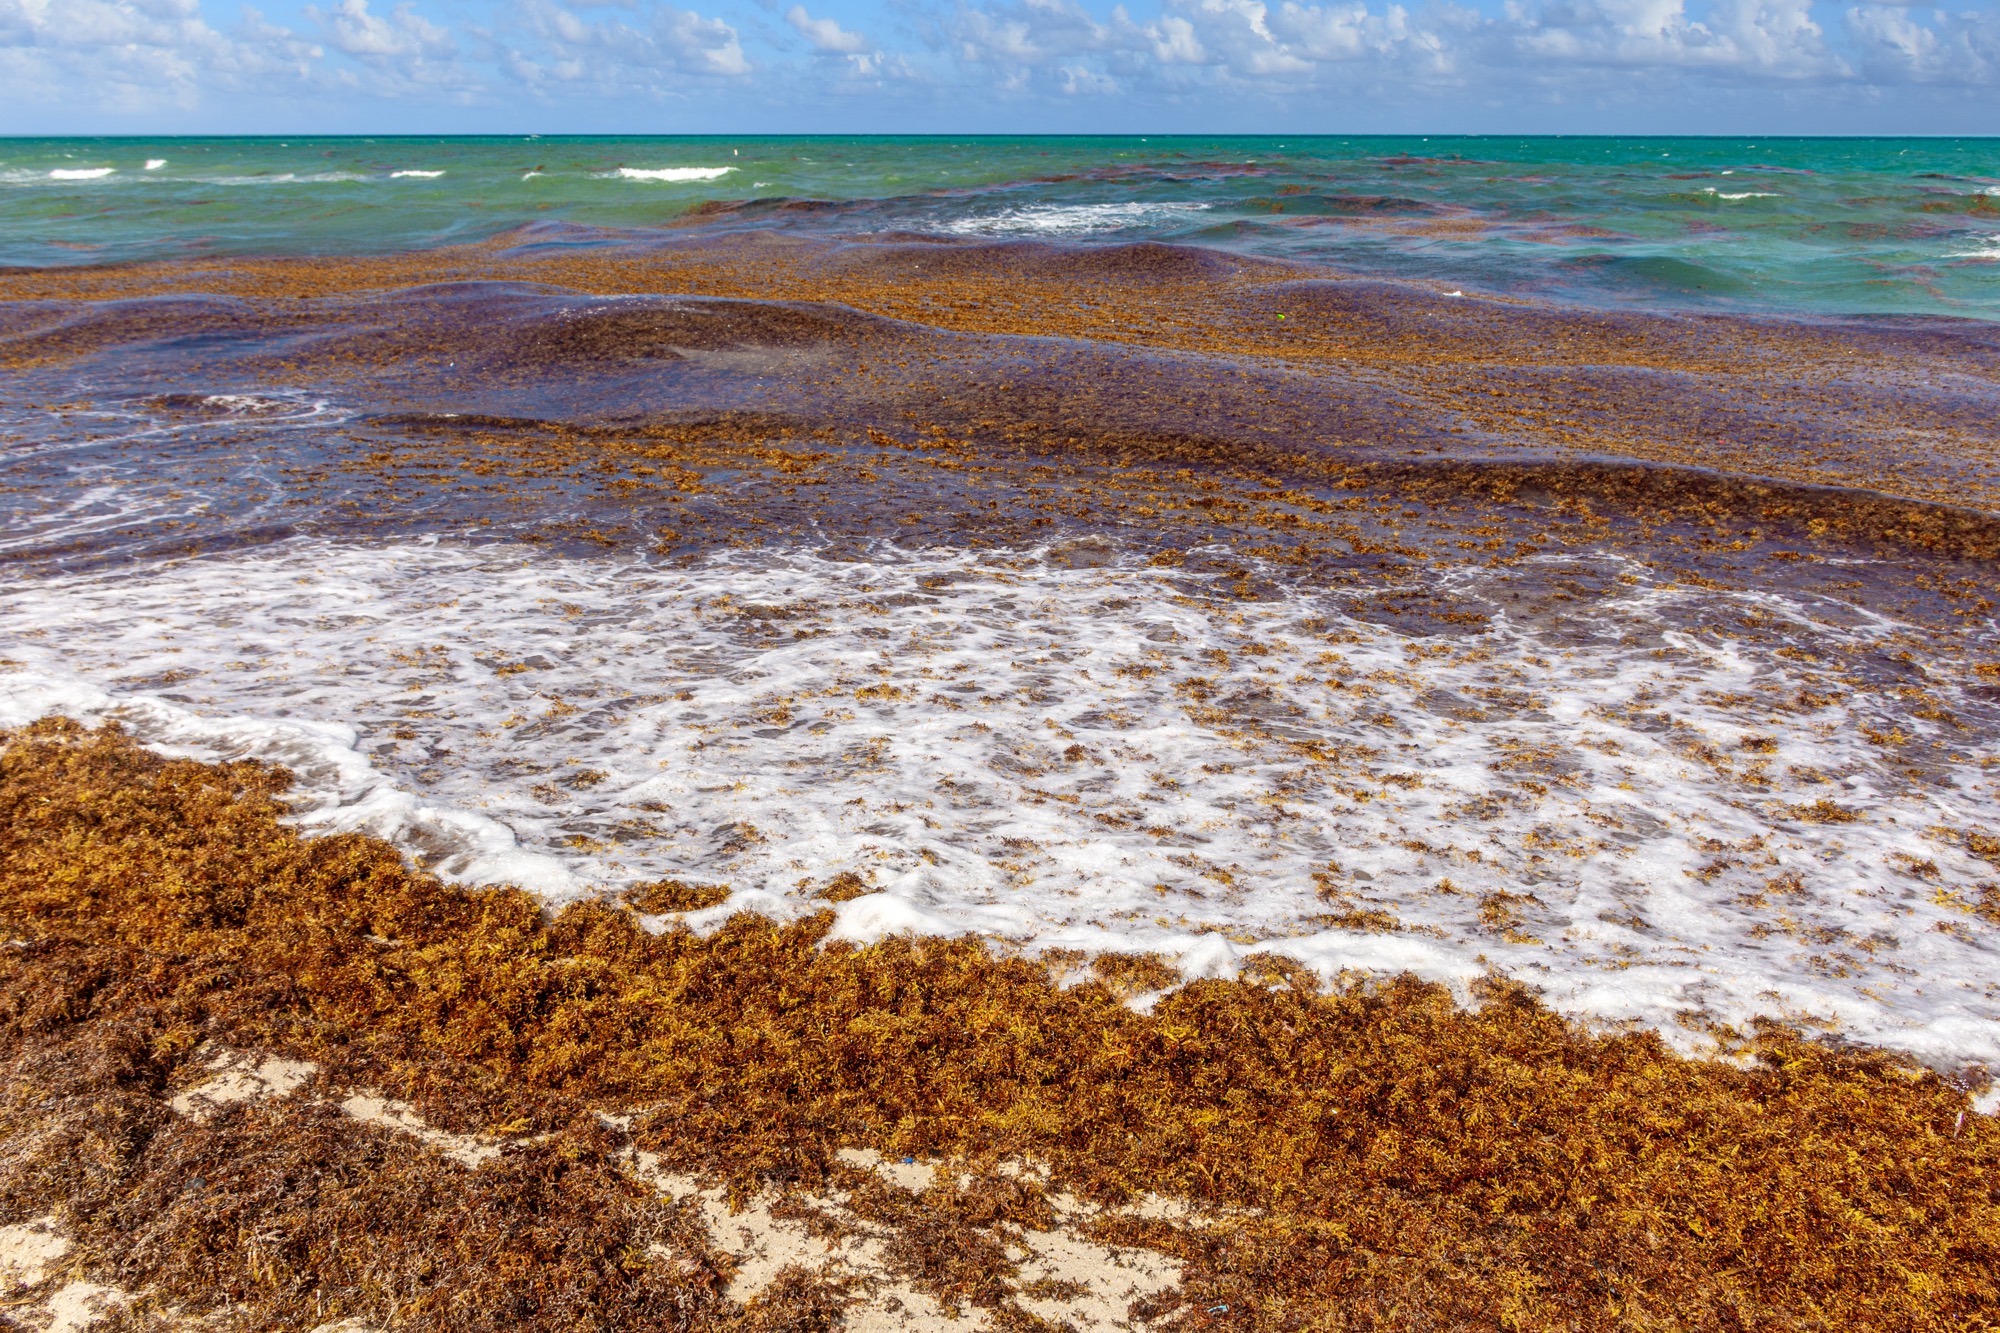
(998, 66)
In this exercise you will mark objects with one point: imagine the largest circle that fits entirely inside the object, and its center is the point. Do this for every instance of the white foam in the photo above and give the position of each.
(1074, 219)
(155, 163)
(287, 178)
(421, 175)
(1989, 248)
(79, 173)
(339, 790)
(1098, 758)
(674, 173)
(1742, 194)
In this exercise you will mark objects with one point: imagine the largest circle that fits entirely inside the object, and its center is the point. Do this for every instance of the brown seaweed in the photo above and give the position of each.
(1390, 1159)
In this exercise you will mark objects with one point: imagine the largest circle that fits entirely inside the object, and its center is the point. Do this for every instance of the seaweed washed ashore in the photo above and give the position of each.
(1291, 801)
(548, 1098)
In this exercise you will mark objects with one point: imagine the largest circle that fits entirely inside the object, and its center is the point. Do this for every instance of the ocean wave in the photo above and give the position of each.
(1095, 758)
(674, 173)
(1072, 219)
(339, 790)
(1989, 248)
(1741, 194)
(80, 173)
(422, 175)
(155, 163)
(286, 178)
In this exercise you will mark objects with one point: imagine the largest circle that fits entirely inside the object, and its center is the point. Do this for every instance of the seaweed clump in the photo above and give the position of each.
(1373, 1157)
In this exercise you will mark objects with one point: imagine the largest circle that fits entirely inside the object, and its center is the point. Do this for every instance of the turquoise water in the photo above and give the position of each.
(1899, 226)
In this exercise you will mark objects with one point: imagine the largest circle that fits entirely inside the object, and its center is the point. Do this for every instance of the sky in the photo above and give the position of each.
(151, 67)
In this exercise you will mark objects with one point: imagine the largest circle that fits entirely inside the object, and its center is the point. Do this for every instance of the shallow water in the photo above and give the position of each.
(1688, 808)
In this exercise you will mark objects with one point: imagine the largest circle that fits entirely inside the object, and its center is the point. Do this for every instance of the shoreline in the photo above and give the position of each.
(1496, 1160)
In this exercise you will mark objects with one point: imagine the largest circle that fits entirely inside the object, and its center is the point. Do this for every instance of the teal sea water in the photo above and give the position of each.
(1818, 226)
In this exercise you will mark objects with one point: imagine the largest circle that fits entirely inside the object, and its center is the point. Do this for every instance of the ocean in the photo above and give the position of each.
(1826, 226)
(1564, 559)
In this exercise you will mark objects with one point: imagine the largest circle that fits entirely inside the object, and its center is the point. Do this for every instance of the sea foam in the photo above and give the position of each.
(1643, 821)
(674, 173)
(1073, 219)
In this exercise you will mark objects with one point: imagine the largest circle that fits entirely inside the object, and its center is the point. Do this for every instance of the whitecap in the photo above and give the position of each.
(1074, 219)
(287, 178)
(155, 163)
(674, 173)
(423, 175)
(80, 173)
(1741, 194)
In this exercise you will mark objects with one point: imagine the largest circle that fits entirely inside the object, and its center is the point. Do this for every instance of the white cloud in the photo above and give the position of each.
(826, 34)
(1174, 42)
(1962, 48)
(1343, 32)
(350, 27)
(137, 56)
(1754, 38)
(1080, 79)
(553, 50)
(1031, 32)
(122, 58)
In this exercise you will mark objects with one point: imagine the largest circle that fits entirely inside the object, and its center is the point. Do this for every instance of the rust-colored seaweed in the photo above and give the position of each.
(1392, 1160)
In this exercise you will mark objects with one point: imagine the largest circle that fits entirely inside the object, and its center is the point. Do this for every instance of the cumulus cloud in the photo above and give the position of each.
(554, 45)
(1282, 45)
(1081, 79)
(351, 28)
(1954, 49)
(826, 34)
(122, 57)
(397, 54)
(139, 55)
(1756, 38)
